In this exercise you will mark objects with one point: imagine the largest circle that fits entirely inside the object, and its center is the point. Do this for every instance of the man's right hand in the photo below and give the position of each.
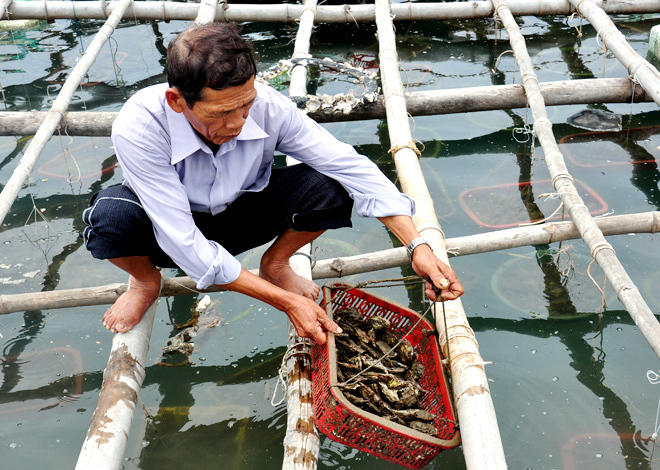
(310, 320)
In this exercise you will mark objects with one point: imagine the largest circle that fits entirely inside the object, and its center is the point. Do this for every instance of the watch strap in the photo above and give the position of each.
(414, 244)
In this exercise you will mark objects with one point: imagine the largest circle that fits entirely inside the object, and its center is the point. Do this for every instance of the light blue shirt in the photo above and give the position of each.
(173, 172)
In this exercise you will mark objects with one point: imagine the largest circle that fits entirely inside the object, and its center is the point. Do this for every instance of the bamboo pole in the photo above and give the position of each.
(289, 13)
(24, 168)
(422, 103)
(4, 5)
(302, 443)
(562, 181)
(482, 444)
(648, 222)
(640, 70)
(207, 11)
(104, 446)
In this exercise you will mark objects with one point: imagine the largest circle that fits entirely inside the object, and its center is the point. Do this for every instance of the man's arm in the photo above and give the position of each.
(309, 319)
(424, 261)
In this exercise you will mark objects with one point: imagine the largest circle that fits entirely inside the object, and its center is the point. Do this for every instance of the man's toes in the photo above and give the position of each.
(121, 327)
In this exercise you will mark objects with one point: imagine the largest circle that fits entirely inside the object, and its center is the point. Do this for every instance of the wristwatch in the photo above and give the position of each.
(414, 244)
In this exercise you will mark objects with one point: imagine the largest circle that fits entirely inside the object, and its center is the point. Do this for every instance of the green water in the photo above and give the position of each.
(569, 393)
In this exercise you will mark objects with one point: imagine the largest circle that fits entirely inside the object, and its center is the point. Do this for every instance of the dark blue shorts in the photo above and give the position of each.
(297, 197)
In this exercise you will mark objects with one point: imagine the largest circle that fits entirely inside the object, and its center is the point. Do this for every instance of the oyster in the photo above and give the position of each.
(378, 371)
(379, 324)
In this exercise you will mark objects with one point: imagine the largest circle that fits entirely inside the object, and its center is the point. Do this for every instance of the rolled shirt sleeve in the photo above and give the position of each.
(304, 139)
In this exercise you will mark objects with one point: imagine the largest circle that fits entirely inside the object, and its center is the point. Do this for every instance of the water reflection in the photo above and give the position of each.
(202, 416)
(588, 361)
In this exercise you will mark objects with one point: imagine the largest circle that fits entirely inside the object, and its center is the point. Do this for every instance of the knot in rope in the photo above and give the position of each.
(412, 145)
(526, 131)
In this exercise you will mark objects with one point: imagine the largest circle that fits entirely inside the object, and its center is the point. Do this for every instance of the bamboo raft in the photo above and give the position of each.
(482, 444)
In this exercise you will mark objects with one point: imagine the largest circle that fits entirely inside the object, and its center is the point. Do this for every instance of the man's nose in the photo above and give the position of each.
(236, 119)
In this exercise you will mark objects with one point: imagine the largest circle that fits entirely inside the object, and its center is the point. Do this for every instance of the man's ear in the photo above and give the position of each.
(175, 100)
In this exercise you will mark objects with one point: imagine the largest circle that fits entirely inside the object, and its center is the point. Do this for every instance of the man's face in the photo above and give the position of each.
(220, 115)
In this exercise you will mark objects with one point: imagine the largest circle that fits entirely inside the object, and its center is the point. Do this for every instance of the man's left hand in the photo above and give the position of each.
(443, 278)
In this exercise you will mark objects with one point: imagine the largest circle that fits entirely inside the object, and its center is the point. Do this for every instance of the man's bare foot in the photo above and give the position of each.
(130, 307)
(282, 275)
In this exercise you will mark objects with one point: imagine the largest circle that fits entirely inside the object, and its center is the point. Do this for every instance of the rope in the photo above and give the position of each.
(529, 75)
(526, 130)
(577, 7)
(608, 31)
(409, 145)
(603, 304)
(444, 317)
(433, 227)
(639, 64)
(654, 379)
(388, 49)
(634, 82)
(579, 30)
(4, 98)
(186, 287)
(282, 371)
(347, 9)
(603, 46)
(549, 196)
(561, 175)
(65, 150)
(601, 246)
(497, 61)
(394, 93)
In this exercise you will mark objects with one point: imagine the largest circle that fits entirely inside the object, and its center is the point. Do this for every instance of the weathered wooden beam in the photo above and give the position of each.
(26, 164)
(302, 443)
(423, 103)
(639, 69)
(290, 13)
(647, 222)
(562, 181)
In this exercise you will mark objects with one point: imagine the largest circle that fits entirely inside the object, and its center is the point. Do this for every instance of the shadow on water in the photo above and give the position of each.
(199, 415)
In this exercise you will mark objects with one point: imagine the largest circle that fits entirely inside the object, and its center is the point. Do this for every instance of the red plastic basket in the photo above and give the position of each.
(343, 422)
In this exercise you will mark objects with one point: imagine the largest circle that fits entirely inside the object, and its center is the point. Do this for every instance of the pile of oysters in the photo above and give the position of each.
(378, 372)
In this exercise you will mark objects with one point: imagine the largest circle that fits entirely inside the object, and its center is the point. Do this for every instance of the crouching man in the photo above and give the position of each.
(199, 187)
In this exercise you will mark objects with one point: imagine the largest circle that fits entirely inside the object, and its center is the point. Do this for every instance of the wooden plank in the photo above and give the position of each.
(601, 250)
(290, 13)
(648, 222)
(423, 103)
(480, 435)
(105, 443)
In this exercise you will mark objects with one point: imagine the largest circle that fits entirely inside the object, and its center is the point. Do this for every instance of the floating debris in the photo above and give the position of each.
(378, 372)
(596, 120)
(203, 318)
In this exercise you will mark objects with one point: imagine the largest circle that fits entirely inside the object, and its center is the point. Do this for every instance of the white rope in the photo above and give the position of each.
(654, 379)
(282, 371)
(549, 196)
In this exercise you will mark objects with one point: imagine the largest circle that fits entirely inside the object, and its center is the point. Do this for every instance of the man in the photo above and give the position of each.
(199, 187)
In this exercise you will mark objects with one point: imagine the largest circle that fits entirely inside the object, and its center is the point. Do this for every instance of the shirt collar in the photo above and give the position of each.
(186, 142)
